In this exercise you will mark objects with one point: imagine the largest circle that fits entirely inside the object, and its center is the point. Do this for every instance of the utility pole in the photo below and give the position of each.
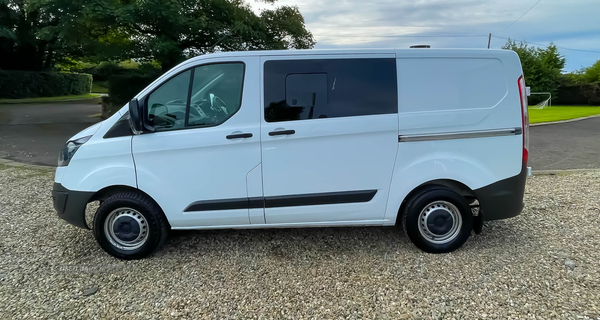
(489, 39)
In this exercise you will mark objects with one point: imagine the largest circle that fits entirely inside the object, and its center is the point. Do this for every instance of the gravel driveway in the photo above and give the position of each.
(543, 264)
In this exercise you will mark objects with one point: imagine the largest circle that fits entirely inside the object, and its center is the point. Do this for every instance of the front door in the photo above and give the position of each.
(329, 137)
(206, 145)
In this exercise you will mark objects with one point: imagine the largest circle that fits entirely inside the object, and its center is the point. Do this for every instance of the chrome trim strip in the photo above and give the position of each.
(460, 135)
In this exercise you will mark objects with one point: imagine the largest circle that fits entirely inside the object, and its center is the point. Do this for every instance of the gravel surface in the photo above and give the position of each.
(543, 264)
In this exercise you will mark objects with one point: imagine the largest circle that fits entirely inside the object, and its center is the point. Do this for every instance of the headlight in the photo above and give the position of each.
(66, 154)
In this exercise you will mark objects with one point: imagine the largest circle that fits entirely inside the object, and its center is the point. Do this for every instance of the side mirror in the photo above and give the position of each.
(135, 116)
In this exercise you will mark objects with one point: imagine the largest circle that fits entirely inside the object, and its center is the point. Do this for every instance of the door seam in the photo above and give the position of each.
(134, 166)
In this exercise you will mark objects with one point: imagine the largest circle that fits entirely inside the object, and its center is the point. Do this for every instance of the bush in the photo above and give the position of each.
(29, 84)
(122, 88)
(580, 94)
(106, 69)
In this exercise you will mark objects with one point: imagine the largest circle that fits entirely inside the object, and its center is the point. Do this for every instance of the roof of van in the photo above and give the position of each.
(414, 52)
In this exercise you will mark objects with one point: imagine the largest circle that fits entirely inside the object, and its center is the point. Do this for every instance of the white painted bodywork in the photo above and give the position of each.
(99, 163)
(329, 155)
(177, 168)
(439, 91)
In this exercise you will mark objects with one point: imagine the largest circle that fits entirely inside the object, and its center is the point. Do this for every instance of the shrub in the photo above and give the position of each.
(29, 84)
(122, 88)
(580, 94)
(106, 69)
(592, 74)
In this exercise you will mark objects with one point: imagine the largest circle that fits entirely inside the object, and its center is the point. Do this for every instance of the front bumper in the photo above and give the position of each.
(503, 199)
(70, 205)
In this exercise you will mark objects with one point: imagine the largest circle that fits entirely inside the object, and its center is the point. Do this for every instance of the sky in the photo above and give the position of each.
(572, 24)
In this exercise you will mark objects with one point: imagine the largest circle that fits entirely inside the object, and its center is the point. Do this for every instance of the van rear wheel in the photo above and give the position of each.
(438, 220)
(130, 225)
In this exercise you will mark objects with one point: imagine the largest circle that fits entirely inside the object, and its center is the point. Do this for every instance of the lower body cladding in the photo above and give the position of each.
(70, 205)
(499, 200)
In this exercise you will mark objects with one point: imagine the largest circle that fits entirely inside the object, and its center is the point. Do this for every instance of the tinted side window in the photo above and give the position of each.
(311, 89)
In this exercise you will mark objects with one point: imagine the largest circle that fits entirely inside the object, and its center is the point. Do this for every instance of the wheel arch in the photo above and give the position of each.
(106, 192)
(457, 186)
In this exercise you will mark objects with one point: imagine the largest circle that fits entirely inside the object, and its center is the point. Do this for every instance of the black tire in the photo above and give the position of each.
(411, 218)
(153, 217)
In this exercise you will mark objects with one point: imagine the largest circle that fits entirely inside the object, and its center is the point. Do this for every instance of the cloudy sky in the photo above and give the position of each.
(573, 24)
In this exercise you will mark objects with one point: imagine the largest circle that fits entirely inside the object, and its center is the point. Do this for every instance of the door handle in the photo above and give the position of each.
(282, 132)
(239, 135)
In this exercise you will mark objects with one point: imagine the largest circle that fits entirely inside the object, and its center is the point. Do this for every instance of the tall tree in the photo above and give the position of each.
(542, 68)
(20, 48)
(34, 34)
(171, 30)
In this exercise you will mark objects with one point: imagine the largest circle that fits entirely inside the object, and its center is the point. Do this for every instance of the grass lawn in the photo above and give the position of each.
(50, 99)
(557, 113)
(100, 87)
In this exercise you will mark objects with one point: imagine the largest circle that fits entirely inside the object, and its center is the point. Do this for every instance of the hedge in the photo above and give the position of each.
(122, 88)
(29, 84)
(581, 94)
(104, 70)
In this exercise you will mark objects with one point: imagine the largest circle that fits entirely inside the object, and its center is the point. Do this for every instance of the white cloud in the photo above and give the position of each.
(399, 23)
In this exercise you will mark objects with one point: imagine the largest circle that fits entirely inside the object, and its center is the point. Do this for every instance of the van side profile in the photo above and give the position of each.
(433, 140)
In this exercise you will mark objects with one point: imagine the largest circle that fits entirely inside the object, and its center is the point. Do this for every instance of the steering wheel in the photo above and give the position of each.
(218, 105)
(164, 119)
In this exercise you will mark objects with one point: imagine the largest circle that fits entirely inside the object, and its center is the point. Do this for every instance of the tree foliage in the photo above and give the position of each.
(589, 75)
(171, 30)
(35, 34)
(542, 68)
(592, 74)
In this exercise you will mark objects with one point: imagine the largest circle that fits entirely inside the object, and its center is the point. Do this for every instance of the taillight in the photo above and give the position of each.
(525, 118)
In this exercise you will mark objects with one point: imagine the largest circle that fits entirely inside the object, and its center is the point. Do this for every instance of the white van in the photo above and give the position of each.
(433, 140)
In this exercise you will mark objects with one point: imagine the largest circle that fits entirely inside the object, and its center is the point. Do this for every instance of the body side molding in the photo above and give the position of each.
(309, 199)
(460, 135)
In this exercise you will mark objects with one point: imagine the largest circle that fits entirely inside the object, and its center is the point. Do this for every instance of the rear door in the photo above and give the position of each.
(329, 137)
(207, 144)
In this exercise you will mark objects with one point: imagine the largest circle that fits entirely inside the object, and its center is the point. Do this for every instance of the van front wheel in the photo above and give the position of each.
(130, 225)
(438, 220)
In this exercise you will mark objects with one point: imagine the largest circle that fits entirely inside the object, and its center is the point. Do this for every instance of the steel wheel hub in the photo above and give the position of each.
(126, 228)
(440, 222)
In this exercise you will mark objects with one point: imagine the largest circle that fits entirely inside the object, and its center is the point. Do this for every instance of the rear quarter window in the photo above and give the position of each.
(433, 84)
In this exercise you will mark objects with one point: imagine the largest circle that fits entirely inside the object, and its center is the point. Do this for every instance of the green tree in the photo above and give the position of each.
(35, 34)
(19, 46)
(542, 68)
(170, 31)
(588, 75)
(591, 74)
